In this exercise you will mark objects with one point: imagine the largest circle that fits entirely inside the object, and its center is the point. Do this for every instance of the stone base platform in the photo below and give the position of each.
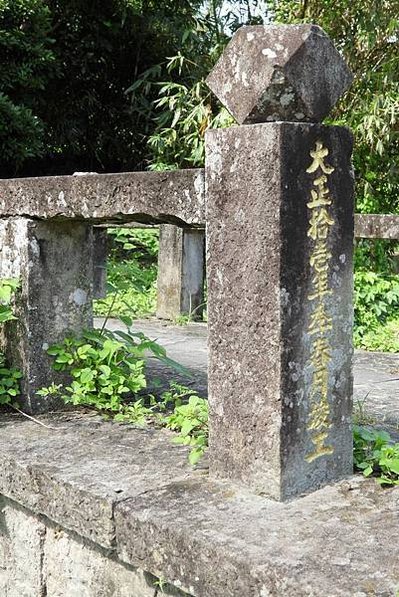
(87, 506)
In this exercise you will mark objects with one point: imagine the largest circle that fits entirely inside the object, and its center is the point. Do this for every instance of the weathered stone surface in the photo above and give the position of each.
(215, 541)
(376, 226)
(75, 474)
(208, 538)
(53, 262)
(181, 272)
(100, 254)
(174, 197)
(21, 548)
(73, 568)
(262, 318)
(279, 72)
(38, 558)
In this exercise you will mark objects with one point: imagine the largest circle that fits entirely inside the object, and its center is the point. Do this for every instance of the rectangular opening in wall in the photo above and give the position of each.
(149, 284)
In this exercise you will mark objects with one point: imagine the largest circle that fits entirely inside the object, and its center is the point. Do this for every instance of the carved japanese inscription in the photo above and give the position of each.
(320, 324)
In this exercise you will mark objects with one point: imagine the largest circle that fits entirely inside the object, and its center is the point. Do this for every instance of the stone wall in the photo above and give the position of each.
(87, 505)
(39, 558)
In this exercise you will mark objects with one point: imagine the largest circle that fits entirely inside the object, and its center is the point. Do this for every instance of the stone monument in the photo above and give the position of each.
(280, 242)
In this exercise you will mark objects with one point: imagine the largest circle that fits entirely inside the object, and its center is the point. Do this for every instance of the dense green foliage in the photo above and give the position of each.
(131, 273)
(26, 63)
(376, 311)
(65, 67)
(185, 108)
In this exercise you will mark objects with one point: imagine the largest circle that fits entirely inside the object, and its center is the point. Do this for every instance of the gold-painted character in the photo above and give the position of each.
(318, 155)
(320, 355)
(320, 321)
(319, 199)
(320, 256)
(319, 416)
(320, 283)
(319, 224)
(320, 382)
(320, 449)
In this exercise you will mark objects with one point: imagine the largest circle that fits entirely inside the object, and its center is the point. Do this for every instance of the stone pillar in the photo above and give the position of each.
(280, 243)
(180, 272)
(53, 261)
(100, 254)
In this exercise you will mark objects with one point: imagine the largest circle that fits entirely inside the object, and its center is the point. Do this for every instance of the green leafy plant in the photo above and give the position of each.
(376, 305)
(383, 338)
(9, 382)
(189, 418)
(107, 371)
(143, 241)
(9, 376)
(8, 286)
(376, 454)
(131, 273)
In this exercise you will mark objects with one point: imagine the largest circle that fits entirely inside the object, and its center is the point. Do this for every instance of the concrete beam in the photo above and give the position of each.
(377, 226)
(149, 197)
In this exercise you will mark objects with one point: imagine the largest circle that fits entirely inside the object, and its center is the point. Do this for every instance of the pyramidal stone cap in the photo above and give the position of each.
(280, 72)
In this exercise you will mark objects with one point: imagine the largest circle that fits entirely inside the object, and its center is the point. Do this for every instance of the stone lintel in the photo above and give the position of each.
(280, 305)
(132, 492)
(148, 197)
(377, 226)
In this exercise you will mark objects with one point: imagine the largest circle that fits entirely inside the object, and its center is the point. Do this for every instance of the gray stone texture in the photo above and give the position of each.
(279, 72)
(74, 568)
(21, 552)
(53, 262)
(259, 280)
(181, 272)
(377, 226)
(149, 197)
(41, 559)
(100, 254)
(218, 542)
(209, 538)
(75, 472)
